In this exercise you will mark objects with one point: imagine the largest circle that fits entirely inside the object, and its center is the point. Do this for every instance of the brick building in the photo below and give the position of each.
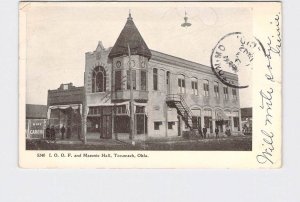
(64, 108)
(170, 94)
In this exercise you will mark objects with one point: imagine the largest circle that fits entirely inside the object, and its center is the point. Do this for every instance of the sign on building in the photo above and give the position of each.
(36, 128)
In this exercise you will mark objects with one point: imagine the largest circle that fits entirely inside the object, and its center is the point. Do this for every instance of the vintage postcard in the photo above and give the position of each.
(150, 84)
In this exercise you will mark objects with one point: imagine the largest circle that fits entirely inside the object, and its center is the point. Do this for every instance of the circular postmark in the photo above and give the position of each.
(234, 54)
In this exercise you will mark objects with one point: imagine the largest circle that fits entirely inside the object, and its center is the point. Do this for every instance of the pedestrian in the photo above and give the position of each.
(204, 132)
(217, 132)
(227, 132)
(62, 130)
(48, 132)
(52, 133)
(200, 132)
(68, 132)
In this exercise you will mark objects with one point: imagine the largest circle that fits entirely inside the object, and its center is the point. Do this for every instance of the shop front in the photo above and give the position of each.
(67, 116)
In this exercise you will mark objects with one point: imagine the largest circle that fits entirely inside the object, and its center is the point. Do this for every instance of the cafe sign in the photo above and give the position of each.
(36, 128)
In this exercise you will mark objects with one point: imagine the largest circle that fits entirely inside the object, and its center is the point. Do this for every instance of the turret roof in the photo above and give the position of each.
(131, 36)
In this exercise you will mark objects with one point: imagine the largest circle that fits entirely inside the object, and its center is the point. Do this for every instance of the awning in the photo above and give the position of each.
(220, 115)
(73, 106)
(126, 103)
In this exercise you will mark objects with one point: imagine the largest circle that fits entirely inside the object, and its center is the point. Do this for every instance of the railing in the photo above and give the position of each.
(179, 98)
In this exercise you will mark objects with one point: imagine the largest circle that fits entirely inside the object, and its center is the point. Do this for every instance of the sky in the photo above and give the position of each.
(59, 34)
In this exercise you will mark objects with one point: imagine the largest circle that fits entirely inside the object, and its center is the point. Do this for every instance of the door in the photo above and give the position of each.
(141, 124)
(106, 129)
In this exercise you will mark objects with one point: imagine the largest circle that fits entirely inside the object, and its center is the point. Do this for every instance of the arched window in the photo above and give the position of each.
(99, 80)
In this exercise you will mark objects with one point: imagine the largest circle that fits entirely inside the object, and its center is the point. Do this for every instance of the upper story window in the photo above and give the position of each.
(234, 94)
(206, 88)
(143, 80)
(216, 89)
(181, 84)
(133, 73)
(155, 79)
(195, 86)
(99, 80)
(118, 80)
(225, 88)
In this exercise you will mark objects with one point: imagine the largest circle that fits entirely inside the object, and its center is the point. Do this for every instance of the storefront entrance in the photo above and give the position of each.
(99, 122)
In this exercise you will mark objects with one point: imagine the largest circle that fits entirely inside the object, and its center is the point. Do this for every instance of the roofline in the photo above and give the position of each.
(163, 57)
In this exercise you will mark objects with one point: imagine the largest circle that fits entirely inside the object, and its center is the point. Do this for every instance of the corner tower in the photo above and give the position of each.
(130, 42)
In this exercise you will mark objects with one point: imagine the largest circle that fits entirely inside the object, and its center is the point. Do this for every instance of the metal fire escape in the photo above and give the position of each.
(177, 101)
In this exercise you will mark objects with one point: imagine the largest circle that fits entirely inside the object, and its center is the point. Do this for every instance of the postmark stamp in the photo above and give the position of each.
(233, 53)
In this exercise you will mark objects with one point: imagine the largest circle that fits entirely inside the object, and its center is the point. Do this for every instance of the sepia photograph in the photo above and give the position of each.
(144, 76)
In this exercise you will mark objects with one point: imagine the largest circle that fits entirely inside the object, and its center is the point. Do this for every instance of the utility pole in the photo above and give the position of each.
(132, 130)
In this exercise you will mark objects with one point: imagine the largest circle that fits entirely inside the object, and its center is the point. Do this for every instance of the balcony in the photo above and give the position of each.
(125, 95)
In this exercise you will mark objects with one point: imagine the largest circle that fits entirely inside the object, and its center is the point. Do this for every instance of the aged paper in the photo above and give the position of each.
(150, 85)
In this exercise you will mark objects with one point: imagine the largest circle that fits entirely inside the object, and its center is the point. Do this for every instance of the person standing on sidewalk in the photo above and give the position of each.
(204, 132)
(63, 130)
(217, 132)
(52, 133)
(48, 136)
(200, 132)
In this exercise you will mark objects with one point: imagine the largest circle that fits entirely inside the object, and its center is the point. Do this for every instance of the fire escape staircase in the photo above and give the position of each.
(177, 101)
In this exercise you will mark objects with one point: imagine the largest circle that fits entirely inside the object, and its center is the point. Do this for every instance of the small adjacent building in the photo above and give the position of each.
(64, 108)
(246, 116)
(36, 119)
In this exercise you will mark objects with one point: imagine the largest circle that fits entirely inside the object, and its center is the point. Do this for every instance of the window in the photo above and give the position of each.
(65, 86)
(94, 110)
(216, 90)
(139, 109)
(155, 79)
(206, 88)
(118, 80)
(170, 125)
(225, 88)
(195, 86)
(143, 80)
(181, 84)
(121, 109)
(98, 80)
(157, 124)
(234, 94)
(133, 79)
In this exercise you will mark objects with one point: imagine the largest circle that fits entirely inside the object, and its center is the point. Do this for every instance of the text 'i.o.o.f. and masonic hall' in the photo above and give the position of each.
(165, 95)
